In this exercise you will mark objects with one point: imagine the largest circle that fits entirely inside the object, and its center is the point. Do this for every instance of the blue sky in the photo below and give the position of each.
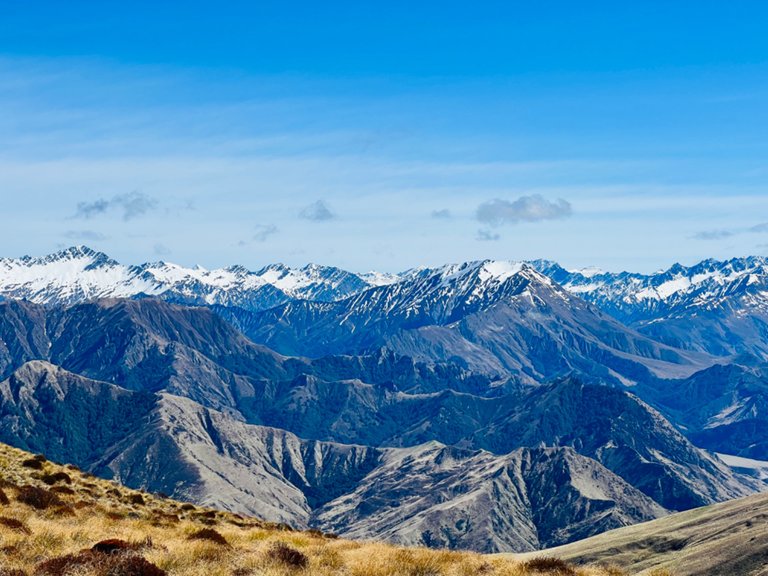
(627, 135)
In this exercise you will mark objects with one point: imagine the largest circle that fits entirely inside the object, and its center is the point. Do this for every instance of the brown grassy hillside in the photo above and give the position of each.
(726, 539)
(58, 521)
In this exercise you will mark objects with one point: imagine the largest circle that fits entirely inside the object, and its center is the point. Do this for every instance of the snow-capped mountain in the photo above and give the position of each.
(80, 273)
(716, 307)
(633, 297)
(493, 317)
(392, 406)
(720, 307)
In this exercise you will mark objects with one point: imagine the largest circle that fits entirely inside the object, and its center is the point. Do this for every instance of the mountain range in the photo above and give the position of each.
(488, 405)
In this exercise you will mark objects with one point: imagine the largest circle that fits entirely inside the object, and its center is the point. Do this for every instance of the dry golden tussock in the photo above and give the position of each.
(97, 528)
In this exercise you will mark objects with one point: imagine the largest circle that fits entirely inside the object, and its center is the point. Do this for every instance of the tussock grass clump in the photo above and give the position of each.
(62, 490)
(210, 535)
(114, 546)
(549, 565)
(15, 525)
(5, 571)
(62, 565)
(98, 564)
(33, 463)
(52, 478)
(38, 498)
(136, 499)
(288, 556)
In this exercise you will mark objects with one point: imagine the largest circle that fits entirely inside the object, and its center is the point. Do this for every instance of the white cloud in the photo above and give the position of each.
(525, 209)
(317, 212)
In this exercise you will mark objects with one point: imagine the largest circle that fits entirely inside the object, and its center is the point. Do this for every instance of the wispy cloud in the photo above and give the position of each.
(442, 214)
(318, 211)
(130, 206)
(533, 208)
(161, 249)
(713, 235)
(487, 236)
(84, 235)
(722, 234)
(264, 231)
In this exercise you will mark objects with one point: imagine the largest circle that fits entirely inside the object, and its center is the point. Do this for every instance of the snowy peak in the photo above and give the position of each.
(717, 307)
(80, 273)
(68, 276)
(374, 278)
(629, 294)
(472, 273)
(81, 255)
(313, 282)
(444, 294)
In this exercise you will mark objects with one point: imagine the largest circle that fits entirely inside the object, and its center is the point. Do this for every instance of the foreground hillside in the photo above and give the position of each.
(728, 539)
(56, 521)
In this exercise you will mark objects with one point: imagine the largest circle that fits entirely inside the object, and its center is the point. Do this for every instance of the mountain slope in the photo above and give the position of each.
(58, 520)
(723, 408)
(440, 496)
(171, 444)
(152, 346)
(718, 307)
(495, 317)
(728, 539)
(621, 432)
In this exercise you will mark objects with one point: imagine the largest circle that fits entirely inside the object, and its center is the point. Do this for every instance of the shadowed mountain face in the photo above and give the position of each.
(23, 335)
(507, 320)
(723, 408)
(71, 418)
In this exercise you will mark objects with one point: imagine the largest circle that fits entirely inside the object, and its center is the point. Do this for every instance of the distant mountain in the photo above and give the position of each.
(381, 401)
(718, 307)
(715, 307)
(494, 317)
(723, 408)
(621, 432)
(425, 495)
(392, 406)
(77, 274)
